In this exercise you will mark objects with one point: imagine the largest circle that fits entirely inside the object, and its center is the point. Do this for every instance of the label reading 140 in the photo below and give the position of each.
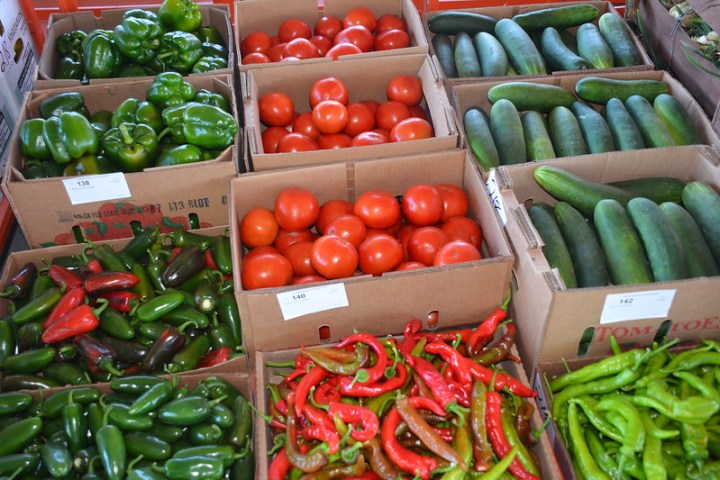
(297, 303)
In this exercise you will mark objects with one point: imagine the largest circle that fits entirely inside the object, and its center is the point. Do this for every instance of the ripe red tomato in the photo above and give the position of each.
(329, 210)
(276, 109)
(328, 88)
(255, 58)
(332, 141)
(275, 52)
(463, 228)
(305, 279)
(330, 116)
(293, 28)
(418, 111)
(389, 113)
(360, 119)
(266, 270)
(270, 138)
(296, 142)
(323, 44)
(389, 22)
(358, 35)
(455, 200)
(328, 26)
(349, 227)
(259, 251)
(296, 208)
(379, 254)
(285, 238)
(258, 227)
(403, 234)
(299, 256)
(391, 40)
(368, 138)
(259, 42)
(422, 205)
(377, 208)
(342, 49)
(406, 89)
(360, 16)
(333, 257)
(412, 128)
(409, 266)
(301, 48)
(456, 251)
(424, 243)
(303, 123)
(371, 104)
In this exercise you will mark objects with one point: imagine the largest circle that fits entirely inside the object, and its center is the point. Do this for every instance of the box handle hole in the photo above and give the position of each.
(586, 341)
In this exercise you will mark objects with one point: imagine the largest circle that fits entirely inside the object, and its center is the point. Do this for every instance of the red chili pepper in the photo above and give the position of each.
(445, 433)
(499, 349)
(92, 266)
(174, 253)
(281, 406)
(277, 424)
(77, 321)
(210, 261)
(307, 462)
(377, 371)
(301, 363)
(279, 467)
(434, 380)
(215, 357)
(375, 389)
(462, 393)
(449, 335)
(410, 336)
(70, 300)
(123, 301)
(312, 378)
(406, 459)
(64, 278)
(324, 434)
(327, 392)
(317, 416)
(428, 404)
(357, 414)
(454, 359)
(486, 329)
(109, 281)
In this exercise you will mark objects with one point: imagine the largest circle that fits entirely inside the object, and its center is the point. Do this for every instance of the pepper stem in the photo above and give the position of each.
(108, 366)
(127, 138)
(278, 443)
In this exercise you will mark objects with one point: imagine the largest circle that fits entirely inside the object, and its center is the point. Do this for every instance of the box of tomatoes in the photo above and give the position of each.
(345, 111)
(273, 32)
(356, 258)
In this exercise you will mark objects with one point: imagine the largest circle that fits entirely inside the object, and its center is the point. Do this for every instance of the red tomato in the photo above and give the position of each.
(289, 59)
(274, 39)
(296, 142)
(332, 141)
(259, 42)
(412, 128)
(285, 238)
(254, 58)
(409, 266)
(463, 228)
(349, 227)
(305, 279)
(296, 208)
(368, 138)
(456, 251)
(358, 35)
(389, 22)
(455, 200)
(323, 44)
(299, 256)
(379, 254)
(328, 26)
(328, 88)
(403, 235)
(389, 113)
(377, 208)
(330, 116)
(330, 210)
(333, 257)
(266, 270)
(259, 251)
(424, 243)
(258, 227)
(406, 89)
(418, 111)
(293, 28)
(342, 49)
(275, 52)
(371, 104)
(422, 205)
(360, 16)
(276, 109)
(391, 40)
(384, 132)
(303, 123)
(270, 138)
(301, 48)
(360, 119)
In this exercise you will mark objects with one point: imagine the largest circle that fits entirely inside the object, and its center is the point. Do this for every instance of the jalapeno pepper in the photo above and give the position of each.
(53, 405)
(20, 284)
(135, 384)
(56, 458)
(79, 320)
(156, 307)
(69, 301)
(31, 361)
(111, 449)
(66, 374)
(37, 307)
(187, 411)
(152, 398)
(109, 281)
(7, 340)
(126, 351)
(75, 424)
(194, 467)
(188, 262)
(115, 323)
(162, 351)
(18, 435)
(96, 354)
(18, 463)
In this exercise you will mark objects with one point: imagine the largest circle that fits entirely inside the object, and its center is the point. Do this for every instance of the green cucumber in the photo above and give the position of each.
(657, 189)
(677, 119)
(480, 140)
(600, 89)
(662, 245)
(507, 131)
(445, 53)
(453, 22)
(554, 248)
(621, 244)
(582, 242)
(491, 54)
(523, 54)
(541, 97)
(466, 60)
(700, 260)
(557, 55)
(537, 138)
(576, 190)
(703, 203)
(626, 134)
(651, 126)
(565, 133)
(595, 129)
(558, 17)
(617, 36)
(593, 47)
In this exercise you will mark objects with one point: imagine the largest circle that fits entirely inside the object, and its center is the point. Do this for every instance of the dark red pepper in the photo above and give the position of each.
(64, 278)
(500, 349)
(97, 355)
(69, 301)
(109, 281)
(484, 332)
(216, 356)
(82, 319)
(20, 284)
(124, 301)
(170, 342)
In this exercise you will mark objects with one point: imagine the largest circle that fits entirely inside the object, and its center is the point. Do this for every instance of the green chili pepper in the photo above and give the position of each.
(116, 324)
(186, 314)
(188, 262)
(229, 315)
(222, 254)
(224, 453)
(135, 384)
(138, 247)
(108, 257)
(101, 56)
(138, 35)
(206, 296)
(13, 383)
(151, 399)
(13, 403)
(205, 434)
(194, 467)
(181, 15)
(152, 330)
(168, 433)
(111, 449)
(239, 434)
(209, 63)
(56, 458)
(118, 415)
(7, 340)
(587, 465)
(18, 435)
(189, 357)
(169, 89)
(75, 424)
(186, 411)
(18, 463)
(156, 307)
(28, 362)
(66, 374)
(32, 142)
(37, 307)
(131, 147)
(53, 405)
(244, 467)
(147, 445)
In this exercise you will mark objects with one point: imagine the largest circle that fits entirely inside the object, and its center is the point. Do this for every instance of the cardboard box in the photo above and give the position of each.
(468, 95)
(267, 16)
(18, 55)
(509, 11)
(377, 305)
(45, 210)
(365, 78)
(217, 16)
(557, 323)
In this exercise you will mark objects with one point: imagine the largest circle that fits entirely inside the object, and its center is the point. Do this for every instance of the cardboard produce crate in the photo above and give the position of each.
(365, 78)
(267, 15)
(509, 11)
(217, 16)
(457, 294)
(558, 323)
(47, 210)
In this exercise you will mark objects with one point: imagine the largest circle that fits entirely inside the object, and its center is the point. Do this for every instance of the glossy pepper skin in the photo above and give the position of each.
(202, 125)
(70, 136)
(88, 165)
(181, 15)
(209, 63)
(135, 111)
(138, 35)
(34, 169)
(32, 143)
(69, 68)
(180, 155)
(131, 147)
(55, 105)
(69, 44)
(101, 56)
(169, 89)
(208, 97)
(178, 51)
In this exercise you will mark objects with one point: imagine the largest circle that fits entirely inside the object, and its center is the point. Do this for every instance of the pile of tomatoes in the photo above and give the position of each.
(334, 122)
(302, 241)
(359, 31)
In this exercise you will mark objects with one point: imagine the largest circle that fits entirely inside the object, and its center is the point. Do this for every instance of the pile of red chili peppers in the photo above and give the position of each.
(430, 405)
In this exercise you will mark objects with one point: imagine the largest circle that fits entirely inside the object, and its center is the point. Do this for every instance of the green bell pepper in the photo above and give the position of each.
(183, 15)
(69, 68)
(138, 36)
(135, 70)
(101, 121)
(208, 97)
(131, 147)
(69, 44)
(206, 64)
(135, 111)
(54, 105)
(32, 143)
(215, 50)
(170, 89)
(210, 34)
(178, 51)
(180, 155)
(101, 56)
(87, 165)
(70, 136)
(209, 126)
(47, 169)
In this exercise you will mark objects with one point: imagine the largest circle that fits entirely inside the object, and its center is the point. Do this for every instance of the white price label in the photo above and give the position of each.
(494, 192)
(297, 303)
(621, 307)
(96, 188)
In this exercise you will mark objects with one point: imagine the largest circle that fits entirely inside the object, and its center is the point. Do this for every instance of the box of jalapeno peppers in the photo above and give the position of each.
(181, 177)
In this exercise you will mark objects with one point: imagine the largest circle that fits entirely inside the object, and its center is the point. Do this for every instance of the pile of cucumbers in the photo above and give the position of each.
(637, 231)
(566, 38)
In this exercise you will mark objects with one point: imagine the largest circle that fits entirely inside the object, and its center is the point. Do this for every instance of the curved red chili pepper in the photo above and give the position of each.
(316, 375)
(406, 459)
(64, 278)
(301, 363)
(109, 281)
(123, 301)
(327, 392)
(427, 404)
(433, 378)
(410, 336)
(92, 266)
(365, 390)
(279, 467)
(357, 414)
(317, 416)
(377, 371)
(215, 357)
(323, 434)
(484, 332)
(449, 335)
(368, 475)
(70, 300)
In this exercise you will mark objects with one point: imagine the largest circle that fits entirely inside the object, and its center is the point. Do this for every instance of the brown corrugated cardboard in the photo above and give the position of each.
(553, 320)
(365, 78)
(267, 15)
(217, 16)
(45, 212)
